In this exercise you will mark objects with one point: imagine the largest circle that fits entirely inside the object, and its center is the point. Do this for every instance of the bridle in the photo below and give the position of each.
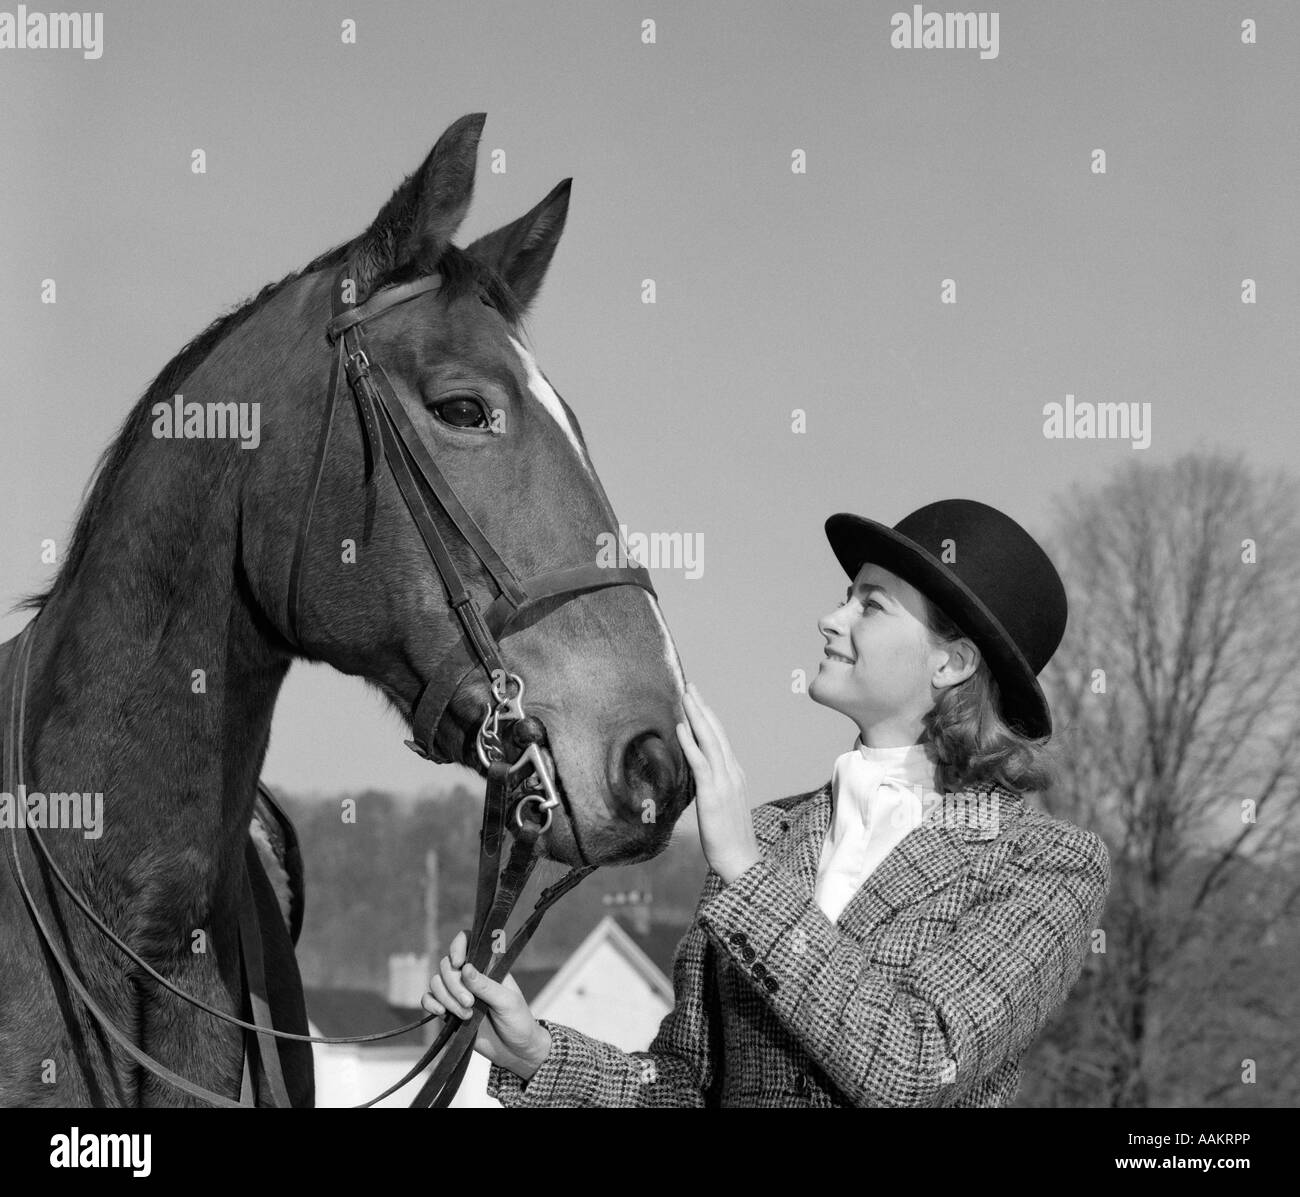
(390, 439)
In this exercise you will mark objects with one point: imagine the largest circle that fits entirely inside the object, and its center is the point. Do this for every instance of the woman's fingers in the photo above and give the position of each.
(702, 728)
(712, 738)
(491, 993)
(691, 750)
(452, 980)
(441, 997)
(439, 1001)
(716, 725)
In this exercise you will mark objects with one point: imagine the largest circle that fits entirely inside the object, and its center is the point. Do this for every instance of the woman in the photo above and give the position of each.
(900, 936)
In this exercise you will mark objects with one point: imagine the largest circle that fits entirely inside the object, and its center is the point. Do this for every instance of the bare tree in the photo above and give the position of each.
(1177, 698)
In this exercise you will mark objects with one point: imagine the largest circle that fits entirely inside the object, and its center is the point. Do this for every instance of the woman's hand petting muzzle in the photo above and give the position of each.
(721, 793)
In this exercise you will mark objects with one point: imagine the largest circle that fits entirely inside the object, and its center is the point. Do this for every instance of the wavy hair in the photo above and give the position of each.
(968, 738)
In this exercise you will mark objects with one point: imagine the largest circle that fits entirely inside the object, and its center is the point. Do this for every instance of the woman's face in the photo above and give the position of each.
(880, 662)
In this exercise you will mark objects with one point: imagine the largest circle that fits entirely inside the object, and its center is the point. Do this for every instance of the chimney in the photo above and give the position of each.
(431, 906)
(408, 978)
(634, 906)
(432, 948)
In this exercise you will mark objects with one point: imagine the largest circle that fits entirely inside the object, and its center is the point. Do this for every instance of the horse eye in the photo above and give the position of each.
(461, 412)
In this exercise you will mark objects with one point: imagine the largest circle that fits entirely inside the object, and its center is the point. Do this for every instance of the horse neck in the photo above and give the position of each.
(153, 678)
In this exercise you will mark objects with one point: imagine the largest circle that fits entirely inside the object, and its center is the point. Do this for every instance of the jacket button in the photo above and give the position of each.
(737, 937)
(760, 970)
(770, 983)
(801, 1083)
(747, 953)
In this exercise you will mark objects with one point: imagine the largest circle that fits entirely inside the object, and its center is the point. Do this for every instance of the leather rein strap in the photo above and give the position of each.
(390, 438)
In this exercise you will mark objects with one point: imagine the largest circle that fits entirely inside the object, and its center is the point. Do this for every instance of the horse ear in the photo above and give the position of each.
(424, 213)
(521, 251)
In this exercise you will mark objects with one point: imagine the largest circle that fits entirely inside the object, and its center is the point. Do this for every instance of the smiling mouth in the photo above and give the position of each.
(833, 656)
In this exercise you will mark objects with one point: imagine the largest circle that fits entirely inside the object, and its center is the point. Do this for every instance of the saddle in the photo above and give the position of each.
(273, 835)
(270, 922)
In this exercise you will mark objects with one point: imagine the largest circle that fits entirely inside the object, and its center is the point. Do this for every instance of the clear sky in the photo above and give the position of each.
(776, 290)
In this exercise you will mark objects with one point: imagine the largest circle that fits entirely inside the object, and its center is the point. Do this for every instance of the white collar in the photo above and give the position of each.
(859, 772)
(901, 755)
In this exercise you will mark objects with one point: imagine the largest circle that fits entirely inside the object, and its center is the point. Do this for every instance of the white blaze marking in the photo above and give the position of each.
(545, 394)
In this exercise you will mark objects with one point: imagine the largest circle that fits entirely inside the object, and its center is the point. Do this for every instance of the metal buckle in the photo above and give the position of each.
(358, 365)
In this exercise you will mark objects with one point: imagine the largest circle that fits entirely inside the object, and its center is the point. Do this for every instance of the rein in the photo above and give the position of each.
(390, 439)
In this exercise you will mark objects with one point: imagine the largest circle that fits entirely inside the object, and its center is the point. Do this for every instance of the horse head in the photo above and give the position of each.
(599, 665)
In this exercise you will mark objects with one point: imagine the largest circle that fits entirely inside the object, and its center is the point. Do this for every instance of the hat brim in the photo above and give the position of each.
(856, 540)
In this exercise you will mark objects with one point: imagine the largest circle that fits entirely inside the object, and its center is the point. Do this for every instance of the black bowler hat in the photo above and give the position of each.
(997, 585)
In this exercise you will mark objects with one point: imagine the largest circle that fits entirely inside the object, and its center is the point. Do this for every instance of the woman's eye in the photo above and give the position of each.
(461, 413)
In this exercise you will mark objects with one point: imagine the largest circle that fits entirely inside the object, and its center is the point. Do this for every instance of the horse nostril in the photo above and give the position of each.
(651, 769)
(646, 760)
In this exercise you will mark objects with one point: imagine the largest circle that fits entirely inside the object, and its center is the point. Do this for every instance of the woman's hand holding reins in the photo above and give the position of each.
(509, 1036)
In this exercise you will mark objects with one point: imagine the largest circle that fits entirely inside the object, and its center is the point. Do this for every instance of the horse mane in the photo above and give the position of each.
(462, 274)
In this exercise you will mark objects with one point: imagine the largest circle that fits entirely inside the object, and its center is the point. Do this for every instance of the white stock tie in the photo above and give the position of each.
(878, 796)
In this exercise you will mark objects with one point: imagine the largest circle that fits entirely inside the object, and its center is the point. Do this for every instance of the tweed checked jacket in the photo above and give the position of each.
(926, 991)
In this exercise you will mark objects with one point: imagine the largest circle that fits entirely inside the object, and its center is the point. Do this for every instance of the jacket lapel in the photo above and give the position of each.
(929, 857)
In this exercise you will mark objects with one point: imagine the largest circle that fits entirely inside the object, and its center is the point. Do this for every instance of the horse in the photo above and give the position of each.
(201, 567)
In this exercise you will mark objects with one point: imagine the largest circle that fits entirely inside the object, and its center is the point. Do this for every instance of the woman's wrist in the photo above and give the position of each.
(536, 1057)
